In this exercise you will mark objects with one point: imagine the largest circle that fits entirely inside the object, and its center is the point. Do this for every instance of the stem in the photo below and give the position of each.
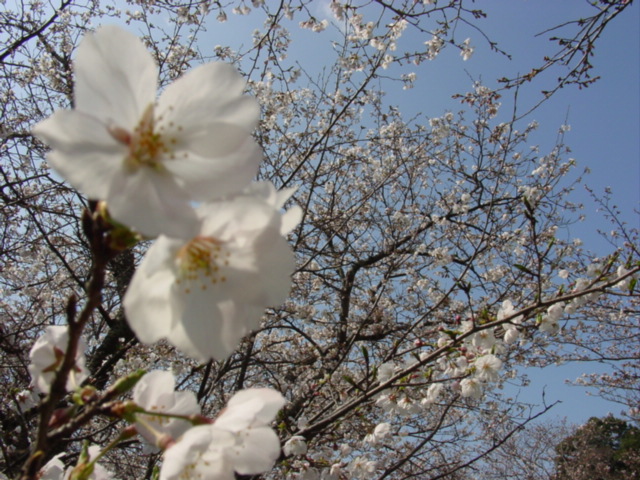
(101, 254)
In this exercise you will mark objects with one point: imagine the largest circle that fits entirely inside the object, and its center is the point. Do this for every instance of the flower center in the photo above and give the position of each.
(147, 146)
(202, 261)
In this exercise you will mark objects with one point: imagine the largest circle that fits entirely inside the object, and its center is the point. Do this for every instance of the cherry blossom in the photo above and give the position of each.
(332, 473)
(487, 368)
(205, 294)
(433, 392)
(484, 339)
(386, 371)
(47, 355)
(362, 467)
(296, 445)
(239, 440)
(412, 226)
(55, 469)
(467, 50)
(549, 321)
(156, 392)
(471, 387)
(27, 398)
(511, 332)
(381, 432)
(200, 453)
(149, 159)
(627, 282)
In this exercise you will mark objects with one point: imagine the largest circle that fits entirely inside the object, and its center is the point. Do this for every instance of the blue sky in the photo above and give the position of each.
(604, 136)
(604, 118)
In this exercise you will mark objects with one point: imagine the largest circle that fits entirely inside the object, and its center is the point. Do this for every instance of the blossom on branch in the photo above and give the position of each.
(55, 469)
(380, 433)
(362, 468)
(47, 355)
(240, 440)
(466, 50)
(204, 294)
(488, 367)
(296, 445)
(471, 388)
(549, 322)
(156, 392)
(147, 158)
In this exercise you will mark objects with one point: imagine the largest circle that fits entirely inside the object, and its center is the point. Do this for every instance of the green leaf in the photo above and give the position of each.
(124, 384)
(632, 284)
(351, 382)
(365, 352)
(524, 269)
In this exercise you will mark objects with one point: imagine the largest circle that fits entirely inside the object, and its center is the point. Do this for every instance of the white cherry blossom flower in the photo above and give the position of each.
(381, 432)
(47, 355)
(296, 445)
(467, 50)
(407, 407)
(433, 392)
(308, 473)
(511, 334)
(27, 398)
(487, 368)
(200, 453)
(484, 339)
(548, 325)
(506, 310)
(333, 473)
(362, 468)
(203, 295)
(250, 408)
(156, 392)
(549, 322)
(147, 158)
(387, 403)
(55, 469)
(240, 440)
(471, 388)
(627, 282)
(386, 371)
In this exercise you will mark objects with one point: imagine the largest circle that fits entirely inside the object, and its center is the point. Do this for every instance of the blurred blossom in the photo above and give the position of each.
(147, 158)
(47, 355)
(205, 294)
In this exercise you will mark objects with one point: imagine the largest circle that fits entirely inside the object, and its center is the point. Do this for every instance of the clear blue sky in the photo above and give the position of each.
(604, 136)
(604, 119)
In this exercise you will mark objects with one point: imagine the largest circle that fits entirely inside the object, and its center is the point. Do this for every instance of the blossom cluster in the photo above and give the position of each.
(476, 363)
(177, 168)
(239, 440)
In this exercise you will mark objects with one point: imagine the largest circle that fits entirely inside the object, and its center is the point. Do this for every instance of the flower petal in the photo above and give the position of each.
(147, 304)
(209, 94)
(252, 407)
(115, 76)
(199, 454)
(215, 163)
(152, 203)
(258, 452)
(209, 327)
(153, 387)
(83, 151)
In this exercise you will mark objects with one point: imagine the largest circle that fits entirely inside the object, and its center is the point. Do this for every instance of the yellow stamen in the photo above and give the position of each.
(201, 260)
